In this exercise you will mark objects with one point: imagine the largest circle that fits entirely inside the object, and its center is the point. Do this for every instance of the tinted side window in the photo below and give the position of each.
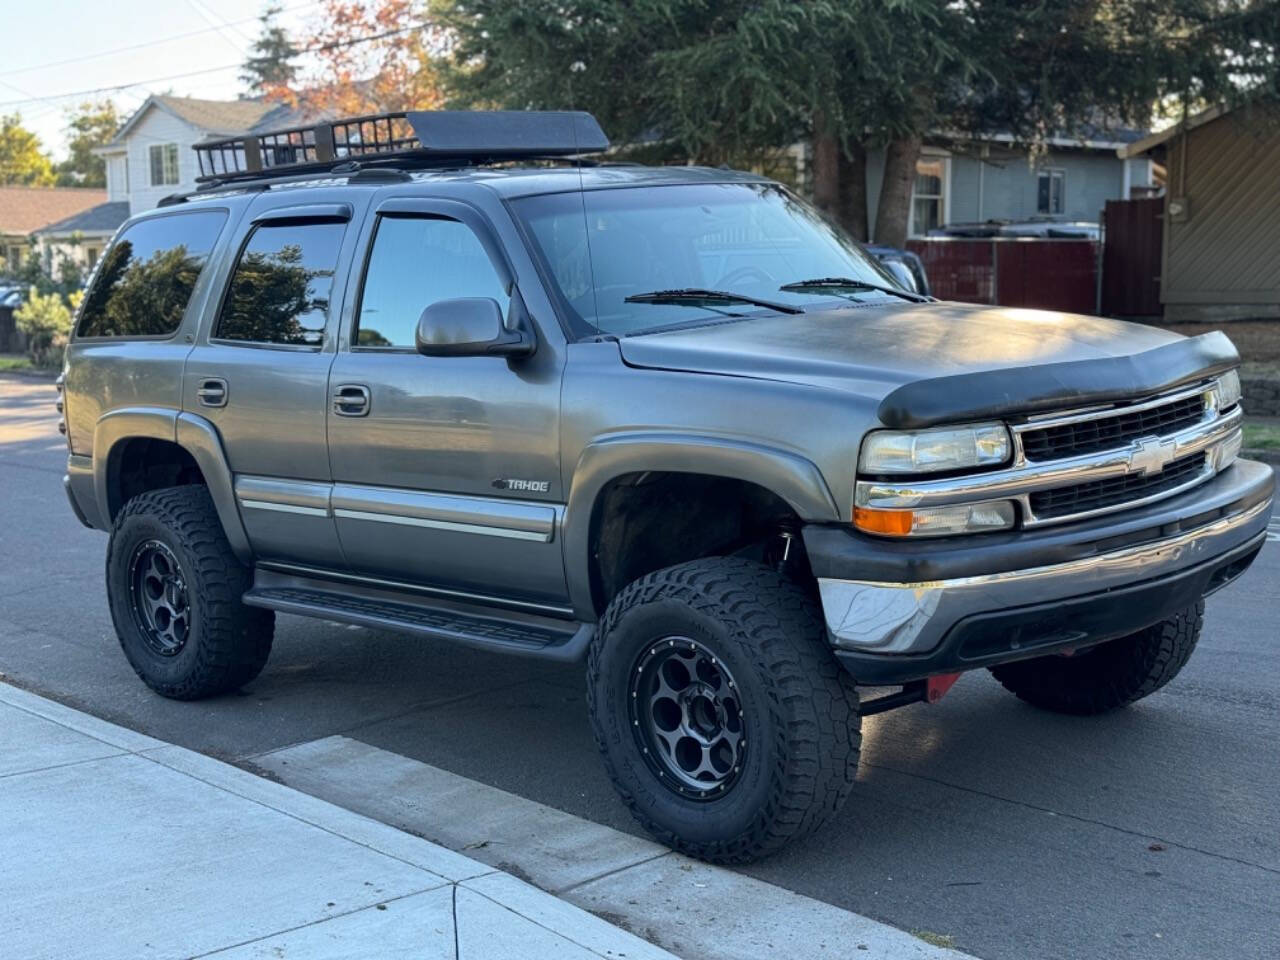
(415, 262)
(145, 280)
(280, 290)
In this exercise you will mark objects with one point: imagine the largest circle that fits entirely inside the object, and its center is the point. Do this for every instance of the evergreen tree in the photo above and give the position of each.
(720, 79)
(269, 66)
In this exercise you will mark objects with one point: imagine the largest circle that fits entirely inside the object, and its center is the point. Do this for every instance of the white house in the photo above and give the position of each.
(151, 156)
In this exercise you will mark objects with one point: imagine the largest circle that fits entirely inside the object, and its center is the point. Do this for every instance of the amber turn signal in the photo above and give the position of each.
(892, 523)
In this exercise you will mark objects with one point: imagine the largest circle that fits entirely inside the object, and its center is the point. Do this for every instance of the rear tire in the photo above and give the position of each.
(698, 643)
(1111, 675)
(174, 586)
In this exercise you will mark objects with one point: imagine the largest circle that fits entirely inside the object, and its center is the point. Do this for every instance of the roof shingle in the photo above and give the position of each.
(104, 218)
(23, 210)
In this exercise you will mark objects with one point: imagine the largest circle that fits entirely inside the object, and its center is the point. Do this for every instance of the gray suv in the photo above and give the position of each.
(444, 375)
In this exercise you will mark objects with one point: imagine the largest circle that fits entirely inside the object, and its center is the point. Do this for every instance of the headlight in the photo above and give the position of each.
(1226, 390)
(933, 451)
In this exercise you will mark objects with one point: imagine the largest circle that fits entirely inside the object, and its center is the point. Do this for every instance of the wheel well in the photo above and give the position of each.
(140, 464)
(646, 521)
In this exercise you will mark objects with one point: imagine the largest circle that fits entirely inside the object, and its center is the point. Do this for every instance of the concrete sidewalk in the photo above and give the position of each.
(116, 845)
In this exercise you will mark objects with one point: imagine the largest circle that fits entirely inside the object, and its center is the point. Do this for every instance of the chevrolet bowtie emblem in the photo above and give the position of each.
(1150, 455)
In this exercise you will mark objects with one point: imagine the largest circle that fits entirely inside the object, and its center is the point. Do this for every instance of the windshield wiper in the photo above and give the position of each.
(847, 283)
(693, 295)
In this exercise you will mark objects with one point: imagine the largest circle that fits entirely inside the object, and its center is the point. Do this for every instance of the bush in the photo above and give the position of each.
(46, 320)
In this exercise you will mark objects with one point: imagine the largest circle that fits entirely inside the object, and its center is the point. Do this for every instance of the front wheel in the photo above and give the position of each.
(1110, 675)
(726, 725)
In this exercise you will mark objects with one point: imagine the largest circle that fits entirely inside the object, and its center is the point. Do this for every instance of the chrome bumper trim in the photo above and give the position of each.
(912, 618)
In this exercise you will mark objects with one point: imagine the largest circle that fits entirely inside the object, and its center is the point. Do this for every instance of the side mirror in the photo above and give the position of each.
(469, 327)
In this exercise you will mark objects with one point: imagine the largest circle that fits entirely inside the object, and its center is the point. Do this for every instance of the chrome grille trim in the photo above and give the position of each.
(1022, 478)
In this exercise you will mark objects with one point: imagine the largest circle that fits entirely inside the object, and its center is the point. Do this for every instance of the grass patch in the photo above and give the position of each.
(934, 939)
(10, 362)
(1262, 436)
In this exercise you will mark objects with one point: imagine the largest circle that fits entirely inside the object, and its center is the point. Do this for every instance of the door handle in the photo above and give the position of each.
(212, 392)
(351, 400)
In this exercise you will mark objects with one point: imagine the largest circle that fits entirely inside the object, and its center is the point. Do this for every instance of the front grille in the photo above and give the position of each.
(1110, 432)
(1100, 494)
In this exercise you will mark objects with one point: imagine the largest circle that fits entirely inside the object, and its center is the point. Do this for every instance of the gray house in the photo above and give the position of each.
(993, 178)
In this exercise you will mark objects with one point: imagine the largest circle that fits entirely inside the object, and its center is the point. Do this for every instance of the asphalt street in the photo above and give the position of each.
(1150, 833)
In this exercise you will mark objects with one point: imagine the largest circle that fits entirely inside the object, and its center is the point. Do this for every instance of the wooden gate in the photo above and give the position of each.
(1131, 257)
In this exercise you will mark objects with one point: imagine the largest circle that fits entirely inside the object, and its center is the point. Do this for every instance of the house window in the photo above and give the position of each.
(1051, 188)
(164, 164)
(929, 196)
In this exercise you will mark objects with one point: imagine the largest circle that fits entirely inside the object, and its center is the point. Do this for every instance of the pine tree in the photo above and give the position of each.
(270, 67)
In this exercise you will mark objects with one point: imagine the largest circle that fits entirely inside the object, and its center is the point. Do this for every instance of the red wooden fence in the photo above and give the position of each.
(1048, 274)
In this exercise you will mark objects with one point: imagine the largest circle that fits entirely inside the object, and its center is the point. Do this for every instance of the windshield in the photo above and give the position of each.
(610, 252)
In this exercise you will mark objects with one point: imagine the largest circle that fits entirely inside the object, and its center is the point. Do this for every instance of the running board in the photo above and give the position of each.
(503, 631)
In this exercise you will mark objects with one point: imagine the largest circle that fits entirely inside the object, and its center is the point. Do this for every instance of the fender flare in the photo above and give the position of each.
(195, 435)
(791, 477)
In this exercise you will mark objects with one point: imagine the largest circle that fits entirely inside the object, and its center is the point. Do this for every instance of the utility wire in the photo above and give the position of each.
(337, 44)
(143, 45)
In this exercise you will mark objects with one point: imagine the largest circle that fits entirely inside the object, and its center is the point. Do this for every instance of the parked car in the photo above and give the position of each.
(663, 421)
(906, 267)
(1043, 228)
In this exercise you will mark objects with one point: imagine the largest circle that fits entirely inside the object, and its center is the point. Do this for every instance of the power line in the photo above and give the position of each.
(143, 45)
(337, 44)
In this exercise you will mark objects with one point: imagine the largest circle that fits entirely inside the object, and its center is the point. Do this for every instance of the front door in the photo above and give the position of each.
(446, 469)
(260, 374)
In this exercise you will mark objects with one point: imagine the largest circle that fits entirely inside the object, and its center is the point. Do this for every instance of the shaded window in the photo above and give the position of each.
(164, 164)
(1051, 188)
(144, 281)
(415, 262)
(928, 195)
(280, 290)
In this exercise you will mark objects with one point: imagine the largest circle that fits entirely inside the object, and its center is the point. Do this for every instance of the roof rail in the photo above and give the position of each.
(409, 138)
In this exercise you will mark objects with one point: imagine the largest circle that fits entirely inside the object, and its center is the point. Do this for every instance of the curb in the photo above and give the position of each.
(493, 913)
(49, 375)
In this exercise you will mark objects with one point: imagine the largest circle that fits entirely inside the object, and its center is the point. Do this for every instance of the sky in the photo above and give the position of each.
(185, 47)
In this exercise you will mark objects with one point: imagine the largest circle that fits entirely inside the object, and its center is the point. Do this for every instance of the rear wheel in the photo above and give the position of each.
(1110, 675)
(174, 586)
(725, 723)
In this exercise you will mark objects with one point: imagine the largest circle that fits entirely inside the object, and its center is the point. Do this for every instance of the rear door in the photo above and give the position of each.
(446, 469)
(260, 373)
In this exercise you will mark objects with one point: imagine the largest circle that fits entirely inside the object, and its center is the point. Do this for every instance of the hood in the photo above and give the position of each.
(933, 362)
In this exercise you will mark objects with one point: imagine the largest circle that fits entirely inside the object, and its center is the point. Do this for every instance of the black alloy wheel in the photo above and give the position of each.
(687, 717)
(158, 598)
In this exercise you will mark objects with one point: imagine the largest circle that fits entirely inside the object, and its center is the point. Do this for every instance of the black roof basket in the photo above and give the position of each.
(410, 138)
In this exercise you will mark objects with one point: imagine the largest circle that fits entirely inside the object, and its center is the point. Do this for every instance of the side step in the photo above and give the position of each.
(504, 631)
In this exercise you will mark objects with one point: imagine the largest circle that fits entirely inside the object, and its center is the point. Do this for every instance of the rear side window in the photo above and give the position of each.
(145, 280)
(415, 262)
(279, 293)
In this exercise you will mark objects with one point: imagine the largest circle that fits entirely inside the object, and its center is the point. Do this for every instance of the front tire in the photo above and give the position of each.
(725, 722)
(1111, 675)
(174, 586)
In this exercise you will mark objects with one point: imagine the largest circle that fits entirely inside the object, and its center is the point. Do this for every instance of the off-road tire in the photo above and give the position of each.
(228, 643)
(800, 707)
(1111, 675)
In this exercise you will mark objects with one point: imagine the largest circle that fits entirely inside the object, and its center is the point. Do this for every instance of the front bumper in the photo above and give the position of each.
(898, 611)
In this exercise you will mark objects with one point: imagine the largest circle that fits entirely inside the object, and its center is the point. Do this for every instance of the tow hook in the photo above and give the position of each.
(936, 687)
(930, 690)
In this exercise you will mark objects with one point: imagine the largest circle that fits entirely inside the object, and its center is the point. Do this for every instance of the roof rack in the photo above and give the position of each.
(407, 138)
